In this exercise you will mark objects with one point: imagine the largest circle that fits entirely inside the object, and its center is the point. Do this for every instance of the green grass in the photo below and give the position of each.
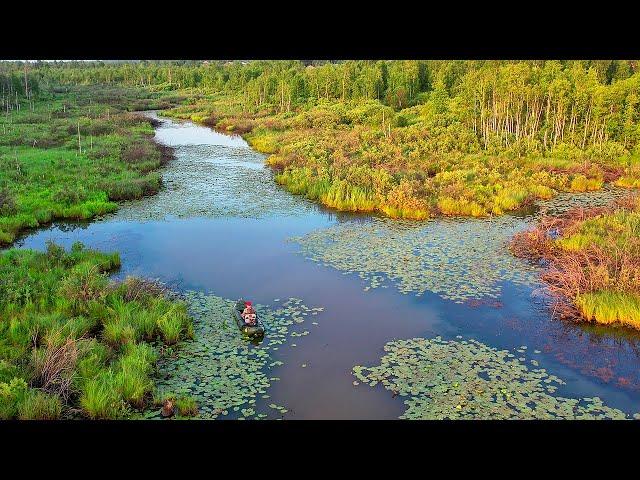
(47, 174)
(40, 406)
(69, 338)
(187, 407)
(620, 228)
(61, 299)
(100, 397)
(133, 373)
(610, 307)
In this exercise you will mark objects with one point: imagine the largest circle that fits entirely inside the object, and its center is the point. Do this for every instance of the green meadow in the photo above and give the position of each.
(67, 156)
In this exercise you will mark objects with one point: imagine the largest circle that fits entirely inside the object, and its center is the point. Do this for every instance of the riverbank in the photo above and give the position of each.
(593, 259)
(361, 157)
(74, 344)
(73, 154)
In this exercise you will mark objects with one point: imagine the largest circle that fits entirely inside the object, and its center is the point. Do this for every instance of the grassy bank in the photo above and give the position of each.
(594, 261)
(74, 344)
(406, 138)
(411, 163)
(74, 153)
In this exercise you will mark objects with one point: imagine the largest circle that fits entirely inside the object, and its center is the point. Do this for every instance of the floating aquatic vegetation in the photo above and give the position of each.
(220, 369)
(460, 379)
(458, 259)
(566, 201)
(215, 181)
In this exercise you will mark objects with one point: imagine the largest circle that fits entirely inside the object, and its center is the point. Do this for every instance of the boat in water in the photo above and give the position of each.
(256, 330)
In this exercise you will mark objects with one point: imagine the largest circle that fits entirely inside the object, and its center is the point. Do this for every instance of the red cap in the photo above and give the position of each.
(247, 302)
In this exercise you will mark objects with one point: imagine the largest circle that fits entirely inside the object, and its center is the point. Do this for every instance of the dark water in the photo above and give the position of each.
(223, 226)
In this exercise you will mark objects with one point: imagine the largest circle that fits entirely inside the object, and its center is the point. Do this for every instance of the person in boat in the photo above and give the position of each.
(249, 314)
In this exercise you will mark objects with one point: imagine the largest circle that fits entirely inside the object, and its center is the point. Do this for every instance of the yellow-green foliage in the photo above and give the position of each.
(610, 307)
(264, 143)
(580, 183)
(628, 182)
(616, 228)
(338, 154)
(453, 206)
(515, 126)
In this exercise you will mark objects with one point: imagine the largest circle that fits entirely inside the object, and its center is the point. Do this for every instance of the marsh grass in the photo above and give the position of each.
(593, 258)
(173, 321)
(40, 406)
(419, 166)
(187, 406)
(72, 158)
(100, 397)
(610, 307)
(72, 341)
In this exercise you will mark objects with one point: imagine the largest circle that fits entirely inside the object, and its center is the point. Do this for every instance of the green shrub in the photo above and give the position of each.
(11, 395)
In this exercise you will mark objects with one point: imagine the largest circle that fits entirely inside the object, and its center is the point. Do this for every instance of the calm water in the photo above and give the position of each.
(223, 226)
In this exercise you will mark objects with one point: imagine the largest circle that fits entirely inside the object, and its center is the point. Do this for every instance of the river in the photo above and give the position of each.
(222, 226)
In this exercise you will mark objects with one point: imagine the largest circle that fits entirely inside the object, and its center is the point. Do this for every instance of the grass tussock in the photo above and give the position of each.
(184, 406)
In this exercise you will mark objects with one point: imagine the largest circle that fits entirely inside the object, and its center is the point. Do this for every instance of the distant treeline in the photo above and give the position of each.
(520, 105)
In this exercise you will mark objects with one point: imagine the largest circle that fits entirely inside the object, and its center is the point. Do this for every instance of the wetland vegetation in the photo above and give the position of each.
(71, 153)
(531, 150)
(74, 344)
(593, 257)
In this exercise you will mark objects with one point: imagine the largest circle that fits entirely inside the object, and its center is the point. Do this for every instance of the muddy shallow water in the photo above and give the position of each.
(223, 227)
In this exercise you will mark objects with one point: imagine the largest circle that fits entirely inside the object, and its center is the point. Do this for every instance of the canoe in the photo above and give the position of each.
(256, 330)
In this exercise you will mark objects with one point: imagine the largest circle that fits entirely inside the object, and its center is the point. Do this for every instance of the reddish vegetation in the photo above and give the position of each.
(589, 269)
(609, 173)
(534, 244)
(605, 374)
(237, 125)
